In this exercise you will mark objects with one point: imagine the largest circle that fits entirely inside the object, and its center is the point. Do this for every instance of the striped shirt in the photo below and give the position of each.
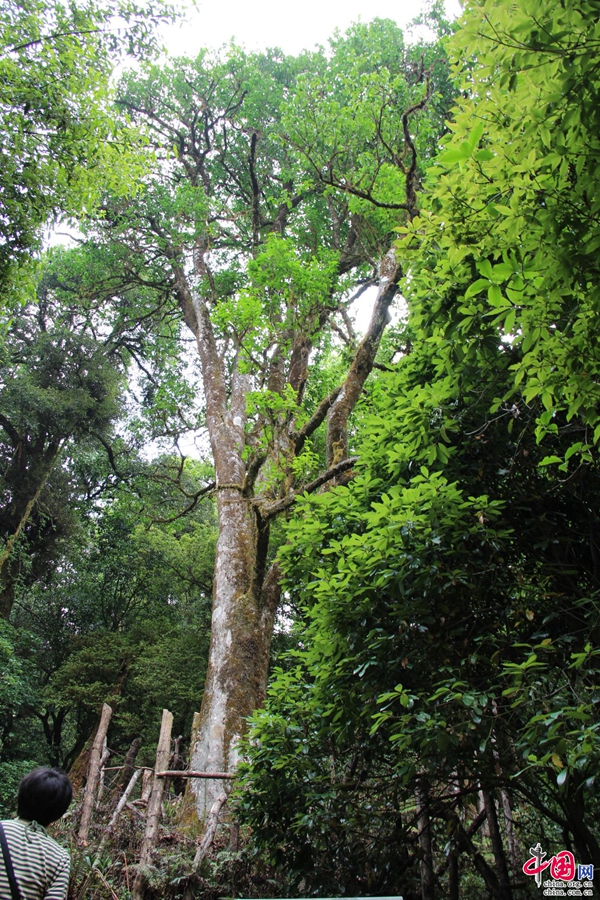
(41, 866)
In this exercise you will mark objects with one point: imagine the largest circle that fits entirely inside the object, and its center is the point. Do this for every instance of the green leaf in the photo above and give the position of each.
(476, 288)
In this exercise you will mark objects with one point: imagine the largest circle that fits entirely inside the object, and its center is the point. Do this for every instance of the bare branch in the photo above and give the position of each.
(110, 453)
(48, 38)
(156, 520)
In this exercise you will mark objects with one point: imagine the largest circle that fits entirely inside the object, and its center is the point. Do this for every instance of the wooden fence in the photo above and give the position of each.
(148, 807)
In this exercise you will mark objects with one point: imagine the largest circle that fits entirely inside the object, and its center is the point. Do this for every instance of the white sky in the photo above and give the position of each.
(291, 26)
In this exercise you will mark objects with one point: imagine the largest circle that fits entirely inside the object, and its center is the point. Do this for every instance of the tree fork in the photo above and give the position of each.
(362, 365)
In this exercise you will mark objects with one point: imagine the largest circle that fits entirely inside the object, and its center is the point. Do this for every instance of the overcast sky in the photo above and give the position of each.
(292, 26)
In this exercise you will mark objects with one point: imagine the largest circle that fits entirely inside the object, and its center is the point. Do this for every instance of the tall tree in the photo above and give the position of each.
(278, 187)
(58, 384)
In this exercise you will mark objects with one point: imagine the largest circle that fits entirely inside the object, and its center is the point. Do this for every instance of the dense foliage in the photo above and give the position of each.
(276, 187)
(123, 617)
(61, 145)
(449, 594)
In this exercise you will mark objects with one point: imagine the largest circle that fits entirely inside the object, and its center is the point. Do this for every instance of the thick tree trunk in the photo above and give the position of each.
(586, 843)
(242, 625)
(245, 595)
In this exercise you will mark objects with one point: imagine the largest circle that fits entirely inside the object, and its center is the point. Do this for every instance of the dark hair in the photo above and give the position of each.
(44, 795)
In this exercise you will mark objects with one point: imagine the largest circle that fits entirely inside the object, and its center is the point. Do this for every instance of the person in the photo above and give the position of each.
(39, 865)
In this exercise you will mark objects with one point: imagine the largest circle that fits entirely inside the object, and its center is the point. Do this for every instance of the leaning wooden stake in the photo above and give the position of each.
(211, 826)
(93, 775)
(116, 814)
(147, 779)
(101, 769)
(163, 753)
(212, 821)
(127, 769)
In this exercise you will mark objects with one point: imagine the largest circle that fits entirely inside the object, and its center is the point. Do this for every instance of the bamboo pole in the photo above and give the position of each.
(163, 753)
(93, 775)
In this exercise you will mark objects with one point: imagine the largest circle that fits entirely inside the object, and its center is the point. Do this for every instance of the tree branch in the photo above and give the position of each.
(156, 520)
(52, 37)
(10, 430)
(269, 512)
(318, 417)
(255, 191)
(337, 427)
(411, 175)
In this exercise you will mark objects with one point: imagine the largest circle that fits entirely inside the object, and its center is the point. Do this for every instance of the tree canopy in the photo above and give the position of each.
(61, 145)
(271, 204)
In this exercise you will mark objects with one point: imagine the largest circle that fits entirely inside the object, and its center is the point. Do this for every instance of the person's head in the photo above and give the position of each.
(44, 795)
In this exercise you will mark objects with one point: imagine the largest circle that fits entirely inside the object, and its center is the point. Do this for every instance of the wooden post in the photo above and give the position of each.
(103, 761)
(163, 754)
(146, 786)
(93, 774)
